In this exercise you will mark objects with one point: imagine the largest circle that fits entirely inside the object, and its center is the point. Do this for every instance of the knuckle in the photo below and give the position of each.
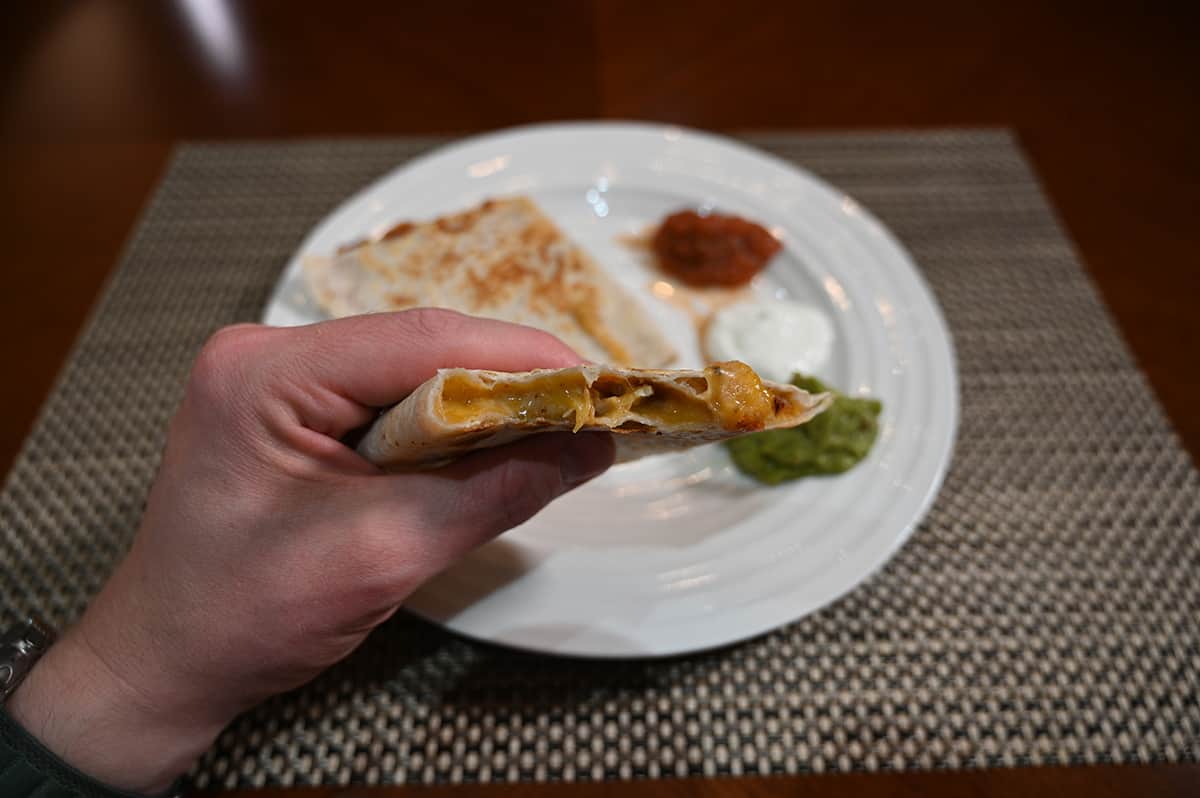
(382, 561)
(221, 361)
(223, 348)
(373, 585)
(435, 323)
(236, 336)
(521, 492)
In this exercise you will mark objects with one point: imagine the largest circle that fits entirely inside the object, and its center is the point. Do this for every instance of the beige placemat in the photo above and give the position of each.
(1045, 612)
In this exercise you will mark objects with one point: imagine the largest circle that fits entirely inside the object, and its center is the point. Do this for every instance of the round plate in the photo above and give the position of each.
(680, 552)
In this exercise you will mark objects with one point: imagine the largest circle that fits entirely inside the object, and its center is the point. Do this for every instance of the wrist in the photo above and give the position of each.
(98, 722)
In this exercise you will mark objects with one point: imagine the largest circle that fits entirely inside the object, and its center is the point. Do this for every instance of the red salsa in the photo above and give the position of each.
(713, 249)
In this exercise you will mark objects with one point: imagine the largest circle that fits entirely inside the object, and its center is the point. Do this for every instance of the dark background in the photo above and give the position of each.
(1105, 100)
(93, 94)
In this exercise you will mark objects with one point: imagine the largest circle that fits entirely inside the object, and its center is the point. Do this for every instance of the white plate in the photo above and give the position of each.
(680, 552)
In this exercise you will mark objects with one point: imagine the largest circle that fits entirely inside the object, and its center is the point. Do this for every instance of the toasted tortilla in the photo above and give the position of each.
(649, 411)
(503, 260)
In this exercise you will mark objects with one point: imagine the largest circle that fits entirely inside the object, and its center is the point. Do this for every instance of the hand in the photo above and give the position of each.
(269, 549)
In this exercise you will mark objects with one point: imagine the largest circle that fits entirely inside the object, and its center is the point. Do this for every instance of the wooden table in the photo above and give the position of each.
(1106, 103)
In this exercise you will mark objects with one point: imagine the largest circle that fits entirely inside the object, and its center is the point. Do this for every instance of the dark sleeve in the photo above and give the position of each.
(28, 769)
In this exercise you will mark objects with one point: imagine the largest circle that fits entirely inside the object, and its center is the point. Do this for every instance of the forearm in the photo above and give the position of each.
(95, 721)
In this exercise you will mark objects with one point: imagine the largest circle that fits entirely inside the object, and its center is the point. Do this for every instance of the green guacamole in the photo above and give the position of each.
(831, 443)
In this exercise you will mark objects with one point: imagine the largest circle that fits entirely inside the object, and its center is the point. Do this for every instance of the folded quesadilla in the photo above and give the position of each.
(649, 411)
(503, 260)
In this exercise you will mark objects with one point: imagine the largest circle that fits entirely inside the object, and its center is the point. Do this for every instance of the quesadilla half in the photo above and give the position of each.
(649, 411)
(503, 260)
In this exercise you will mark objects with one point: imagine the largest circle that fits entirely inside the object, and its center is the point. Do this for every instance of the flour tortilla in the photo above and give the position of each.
(503, 260)
(431, 428)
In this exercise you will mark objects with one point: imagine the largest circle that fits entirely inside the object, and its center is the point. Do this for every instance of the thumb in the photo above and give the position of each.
(465, 504)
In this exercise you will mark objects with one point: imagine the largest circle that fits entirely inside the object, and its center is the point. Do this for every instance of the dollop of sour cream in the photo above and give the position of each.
(775, 338)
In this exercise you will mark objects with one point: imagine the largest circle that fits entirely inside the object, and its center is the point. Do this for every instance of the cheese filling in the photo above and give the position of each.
(553, 398)
(728, 395)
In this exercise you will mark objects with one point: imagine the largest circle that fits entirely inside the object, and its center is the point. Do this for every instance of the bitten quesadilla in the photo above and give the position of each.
(649, 411)
(504, 260)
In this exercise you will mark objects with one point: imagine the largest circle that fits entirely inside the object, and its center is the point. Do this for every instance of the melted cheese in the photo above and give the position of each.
(554, 397)
(673, 407)
(740, 399)
(729, 395)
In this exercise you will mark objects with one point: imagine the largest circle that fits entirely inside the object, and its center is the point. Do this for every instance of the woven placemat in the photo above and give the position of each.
(1046, 611)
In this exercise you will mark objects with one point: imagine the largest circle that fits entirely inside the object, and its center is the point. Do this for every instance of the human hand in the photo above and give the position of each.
(269, 549)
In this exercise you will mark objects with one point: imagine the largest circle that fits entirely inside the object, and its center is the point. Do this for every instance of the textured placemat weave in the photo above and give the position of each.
(1047, 610)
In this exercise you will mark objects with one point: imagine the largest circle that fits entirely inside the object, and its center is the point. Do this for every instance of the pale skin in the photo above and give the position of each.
(269, 549)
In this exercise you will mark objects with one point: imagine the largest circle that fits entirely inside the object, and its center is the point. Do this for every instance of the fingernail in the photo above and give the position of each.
(587, 456)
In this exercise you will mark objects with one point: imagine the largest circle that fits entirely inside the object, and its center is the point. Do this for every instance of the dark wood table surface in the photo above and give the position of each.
(1106, 102)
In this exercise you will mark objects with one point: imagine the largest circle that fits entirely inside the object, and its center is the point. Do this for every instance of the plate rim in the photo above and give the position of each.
(742, 148)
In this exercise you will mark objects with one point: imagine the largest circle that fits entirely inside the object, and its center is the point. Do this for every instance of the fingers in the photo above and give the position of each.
(491, 491)
(334, 374)
(376, 360)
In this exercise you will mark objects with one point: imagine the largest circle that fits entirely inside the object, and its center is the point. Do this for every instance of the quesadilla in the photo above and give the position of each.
(649, 411)
(503, 260)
